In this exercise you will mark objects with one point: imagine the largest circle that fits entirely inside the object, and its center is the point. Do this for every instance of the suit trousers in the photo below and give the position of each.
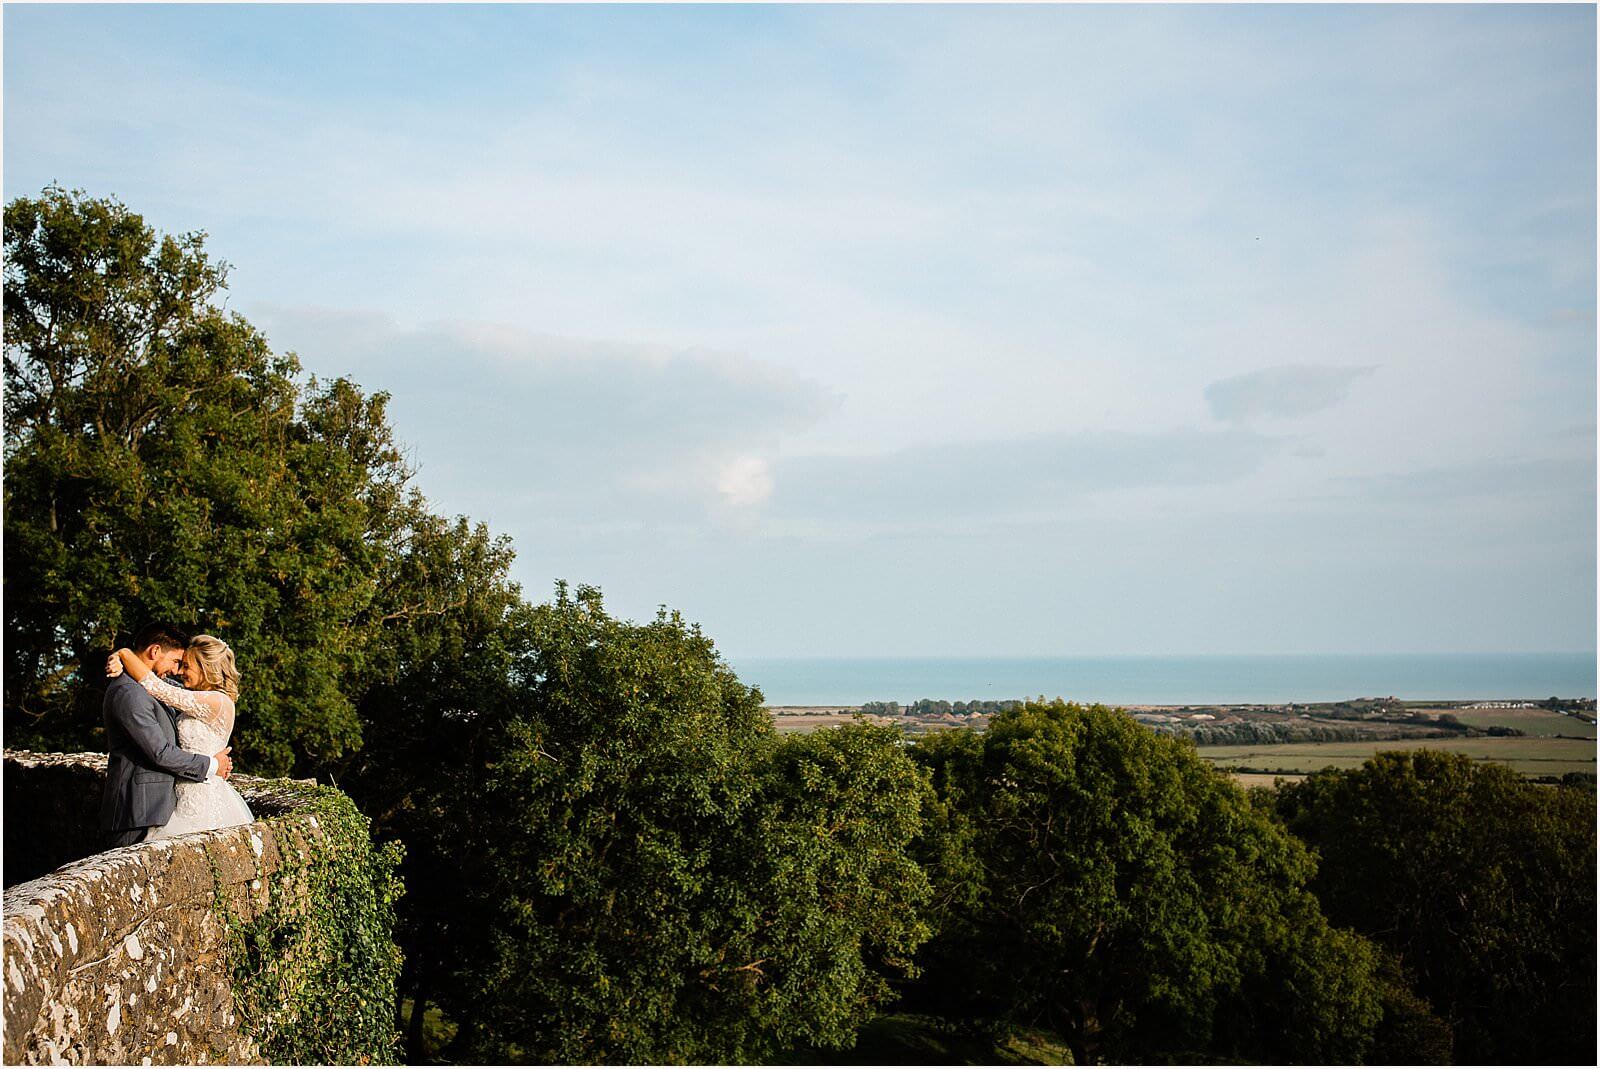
(125, 837)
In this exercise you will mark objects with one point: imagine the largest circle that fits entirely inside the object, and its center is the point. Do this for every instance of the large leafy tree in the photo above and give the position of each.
(1482, 884)
(162, 462)
(450, 668)
(1100, 880)
(836, 900)
(649, 874)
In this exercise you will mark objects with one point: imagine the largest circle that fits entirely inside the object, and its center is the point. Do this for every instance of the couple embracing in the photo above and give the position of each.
(168, 769)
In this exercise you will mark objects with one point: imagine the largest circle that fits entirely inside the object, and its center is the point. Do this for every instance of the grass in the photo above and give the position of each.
(1541, 722)
(1530, 756)
(1265, 779)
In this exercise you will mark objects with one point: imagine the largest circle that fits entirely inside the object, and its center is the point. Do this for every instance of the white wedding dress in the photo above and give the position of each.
(204, 724)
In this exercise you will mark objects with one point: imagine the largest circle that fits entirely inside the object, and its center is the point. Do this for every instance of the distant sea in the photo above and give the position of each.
(1152, 680)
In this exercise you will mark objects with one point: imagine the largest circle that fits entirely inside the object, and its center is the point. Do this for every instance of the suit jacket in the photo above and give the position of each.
(145, 761)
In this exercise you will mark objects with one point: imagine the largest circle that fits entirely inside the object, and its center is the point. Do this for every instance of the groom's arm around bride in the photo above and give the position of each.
(144, 760)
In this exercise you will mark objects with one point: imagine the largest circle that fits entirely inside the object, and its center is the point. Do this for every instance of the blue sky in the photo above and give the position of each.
(911, 330)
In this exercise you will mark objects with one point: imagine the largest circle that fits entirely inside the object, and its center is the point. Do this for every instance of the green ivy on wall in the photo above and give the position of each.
(314, 971)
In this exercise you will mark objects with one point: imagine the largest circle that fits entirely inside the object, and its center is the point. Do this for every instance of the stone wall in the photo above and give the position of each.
(122, 957)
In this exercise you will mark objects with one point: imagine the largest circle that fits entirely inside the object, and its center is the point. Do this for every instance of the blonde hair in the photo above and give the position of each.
(215, 660)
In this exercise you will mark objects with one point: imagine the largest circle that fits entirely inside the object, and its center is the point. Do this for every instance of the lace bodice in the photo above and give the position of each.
(207, 718)
(204, 727)
(197, 736)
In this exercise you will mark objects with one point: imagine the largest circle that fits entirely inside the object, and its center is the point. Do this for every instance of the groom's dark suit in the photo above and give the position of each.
(140, 790)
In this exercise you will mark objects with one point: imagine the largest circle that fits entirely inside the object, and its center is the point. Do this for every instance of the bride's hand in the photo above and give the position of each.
(113, 666)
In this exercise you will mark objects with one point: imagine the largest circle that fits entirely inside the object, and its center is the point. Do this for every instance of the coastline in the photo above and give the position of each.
(1234, 707)
(1259, 744)
(1161, 681)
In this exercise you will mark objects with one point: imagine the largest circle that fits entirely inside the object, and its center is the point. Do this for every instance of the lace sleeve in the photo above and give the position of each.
(208, 705)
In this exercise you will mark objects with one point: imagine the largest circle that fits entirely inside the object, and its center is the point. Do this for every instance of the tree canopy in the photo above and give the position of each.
(1481, 883)
(655, 876)
(162, 462)
(1102, 880)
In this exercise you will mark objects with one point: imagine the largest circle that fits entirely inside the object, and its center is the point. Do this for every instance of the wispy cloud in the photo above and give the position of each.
(1031, 475)
(522, 425)
(1281, 392)
(1174, 299)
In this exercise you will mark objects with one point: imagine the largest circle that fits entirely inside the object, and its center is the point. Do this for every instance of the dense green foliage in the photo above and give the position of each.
(446, 678)
(314, 971)
(1099, 880)
(841, 899)
(651, 874)
(1271, 733)
(1484, 885)
(162, 462)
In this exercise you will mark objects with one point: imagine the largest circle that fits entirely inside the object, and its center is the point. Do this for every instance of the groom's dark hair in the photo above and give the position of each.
(159, 634)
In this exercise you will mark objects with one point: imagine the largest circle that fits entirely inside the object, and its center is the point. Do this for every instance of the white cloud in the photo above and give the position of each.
(745, 481)
(511, 426)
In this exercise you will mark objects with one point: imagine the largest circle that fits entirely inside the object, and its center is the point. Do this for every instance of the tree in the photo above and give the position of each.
(836, 905)
(1483, 885)
(162, 462)
(1098, 879)
(447, 670)
(649, 874)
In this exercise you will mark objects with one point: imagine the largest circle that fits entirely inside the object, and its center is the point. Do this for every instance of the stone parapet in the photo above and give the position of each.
(122, 957)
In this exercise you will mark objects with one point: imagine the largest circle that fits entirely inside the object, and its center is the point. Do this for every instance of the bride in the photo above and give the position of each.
(212, 683)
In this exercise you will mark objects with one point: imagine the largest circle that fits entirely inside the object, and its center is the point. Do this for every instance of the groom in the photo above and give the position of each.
(142, 736)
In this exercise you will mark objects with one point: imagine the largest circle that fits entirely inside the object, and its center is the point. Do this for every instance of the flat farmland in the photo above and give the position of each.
(1528, 721)
(798, 719)
(1530, 756)
(1265, 779)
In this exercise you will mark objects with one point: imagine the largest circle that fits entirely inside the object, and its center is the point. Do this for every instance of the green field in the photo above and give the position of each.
(1531, 756)
(1527, 721)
